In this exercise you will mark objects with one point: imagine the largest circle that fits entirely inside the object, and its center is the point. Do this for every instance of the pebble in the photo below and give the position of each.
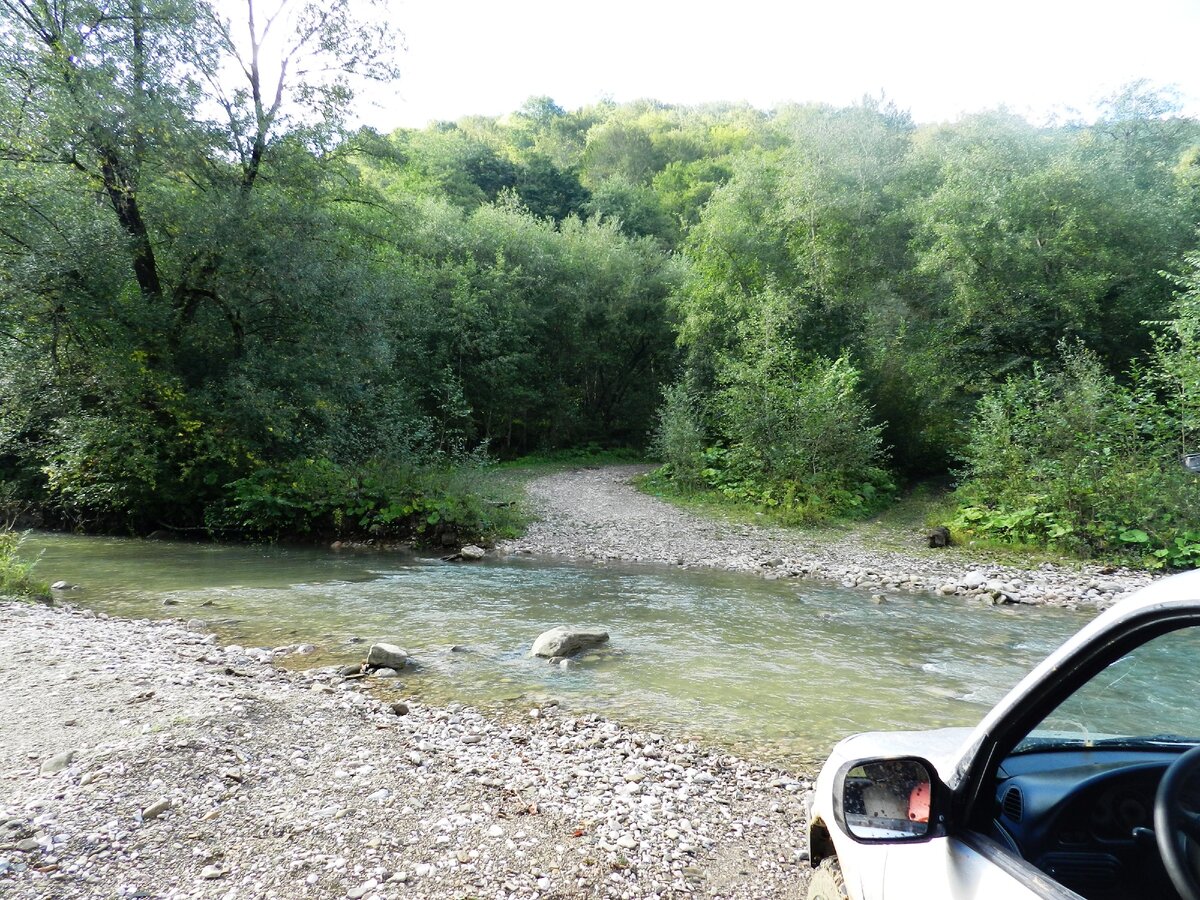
(156, 809)
(57, 762)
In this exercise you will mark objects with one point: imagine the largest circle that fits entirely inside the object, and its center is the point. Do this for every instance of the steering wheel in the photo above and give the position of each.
(1174, 825)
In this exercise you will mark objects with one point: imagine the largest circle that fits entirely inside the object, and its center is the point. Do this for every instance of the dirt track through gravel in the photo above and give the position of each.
(597, 514)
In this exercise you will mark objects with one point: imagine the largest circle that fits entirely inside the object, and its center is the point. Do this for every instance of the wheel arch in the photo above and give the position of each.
(820, 843)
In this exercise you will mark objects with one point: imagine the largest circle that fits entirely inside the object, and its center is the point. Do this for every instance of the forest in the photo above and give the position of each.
(227, 309)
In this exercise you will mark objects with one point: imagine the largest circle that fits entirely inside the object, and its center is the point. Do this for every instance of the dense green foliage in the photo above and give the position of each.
(1072, 459)
(221, 308)
(16, 573)
(262, 322)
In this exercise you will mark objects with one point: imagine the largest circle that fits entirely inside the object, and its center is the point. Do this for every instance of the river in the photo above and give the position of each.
(774, 670)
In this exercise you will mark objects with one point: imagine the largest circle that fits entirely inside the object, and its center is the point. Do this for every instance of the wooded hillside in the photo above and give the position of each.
(221, 307)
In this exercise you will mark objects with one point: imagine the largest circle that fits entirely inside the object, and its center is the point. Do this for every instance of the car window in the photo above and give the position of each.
(1145, 698)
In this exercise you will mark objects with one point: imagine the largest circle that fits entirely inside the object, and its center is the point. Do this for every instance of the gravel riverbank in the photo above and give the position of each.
(142, 759)
(597, 514)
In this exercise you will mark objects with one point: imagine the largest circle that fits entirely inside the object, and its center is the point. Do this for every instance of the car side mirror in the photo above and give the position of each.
(889, 800)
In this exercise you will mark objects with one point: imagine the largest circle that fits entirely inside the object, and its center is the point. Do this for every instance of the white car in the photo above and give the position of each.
(1084, 781)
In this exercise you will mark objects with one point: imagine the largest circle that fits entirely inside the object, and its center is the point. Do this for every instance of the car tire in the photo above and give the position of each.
(827, 882)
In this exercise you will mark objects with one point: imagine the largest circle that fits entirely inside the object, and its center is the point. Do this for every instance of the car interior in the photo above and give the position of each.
(1077, 796)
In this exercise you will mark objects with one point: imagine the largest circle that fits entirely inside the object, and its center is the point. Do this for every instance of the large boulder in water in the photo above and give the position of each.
(386, 656)
(563, 641)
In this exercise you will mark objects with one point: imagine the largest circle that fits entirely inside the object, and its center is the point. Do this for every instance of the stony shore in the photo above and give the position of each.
(142, 759)
(597, 514)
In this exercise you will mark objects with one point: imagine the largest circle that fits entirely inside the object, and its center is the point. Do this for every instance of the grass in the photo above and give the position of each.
(707, 503)
(560, 460)
(16, 574)
(899, 527)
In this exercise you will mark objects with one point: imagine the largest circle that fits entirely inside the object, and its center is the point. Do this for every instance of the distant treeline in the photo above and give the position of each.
(218, 311)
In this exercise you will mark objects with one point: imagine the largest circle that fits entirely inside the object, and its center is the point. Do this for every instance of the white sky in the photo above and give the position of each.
(937, 58)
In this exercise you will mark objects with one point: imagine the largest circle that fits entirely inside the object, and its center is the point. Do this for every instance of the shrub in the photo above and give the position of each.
(679, 436)
(800, 435)
(320, 497)
(16, 574)
(1074, 460)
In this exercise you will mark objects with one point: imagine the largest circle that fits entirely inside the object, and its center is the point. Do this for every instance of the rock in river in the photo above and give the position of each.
(386, 656)
(472, 552)
(563, 641)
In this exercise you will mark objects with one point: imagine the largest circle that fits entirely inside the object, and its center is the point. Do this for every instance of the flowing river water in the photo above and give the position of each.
(775, 670)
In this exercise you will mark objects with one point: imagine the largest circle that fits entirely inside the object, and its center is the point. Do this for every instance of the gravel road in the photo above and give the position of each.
(597, 514)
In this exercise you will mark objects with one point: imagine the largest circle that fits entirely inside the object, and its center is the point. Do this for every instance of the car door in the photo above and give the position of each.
(961, 867)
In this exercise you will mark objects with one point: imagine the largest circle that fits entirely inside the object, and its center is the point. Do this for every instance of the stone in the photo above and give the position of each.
(62, 586)
(400, 709)
(211, 873)
(471, 553)
(385, 672)
(976, 579)
(387, 656)
(352, 669)
(156, 809)
(939, 537)
(57, 763)
(564, 641)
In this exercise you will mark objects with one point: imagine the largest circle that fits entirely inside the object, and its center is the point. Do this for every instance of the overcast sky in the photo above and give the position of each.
(937, 58)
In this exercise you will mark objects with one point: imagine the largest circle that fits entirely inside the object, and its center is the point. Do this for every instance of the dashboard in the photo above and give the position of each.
(1075, 814)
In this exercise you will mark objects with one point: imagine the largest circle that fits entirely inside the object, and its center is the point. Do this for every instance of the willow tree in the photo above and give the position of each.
(169, 176)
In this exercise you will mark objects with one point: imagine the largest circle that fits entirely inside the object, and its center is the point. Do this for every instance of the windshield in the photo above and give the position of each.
(1145, 699)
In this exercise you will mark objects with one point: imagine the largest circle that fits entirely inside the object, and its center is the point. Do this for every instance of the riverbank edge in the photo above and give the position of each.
(596, 514)
(186, 768)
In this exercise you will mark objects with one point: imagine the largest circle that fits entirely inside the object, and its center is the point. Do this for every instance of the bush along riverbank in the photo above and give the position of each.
(318, 500)
(17, 577)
